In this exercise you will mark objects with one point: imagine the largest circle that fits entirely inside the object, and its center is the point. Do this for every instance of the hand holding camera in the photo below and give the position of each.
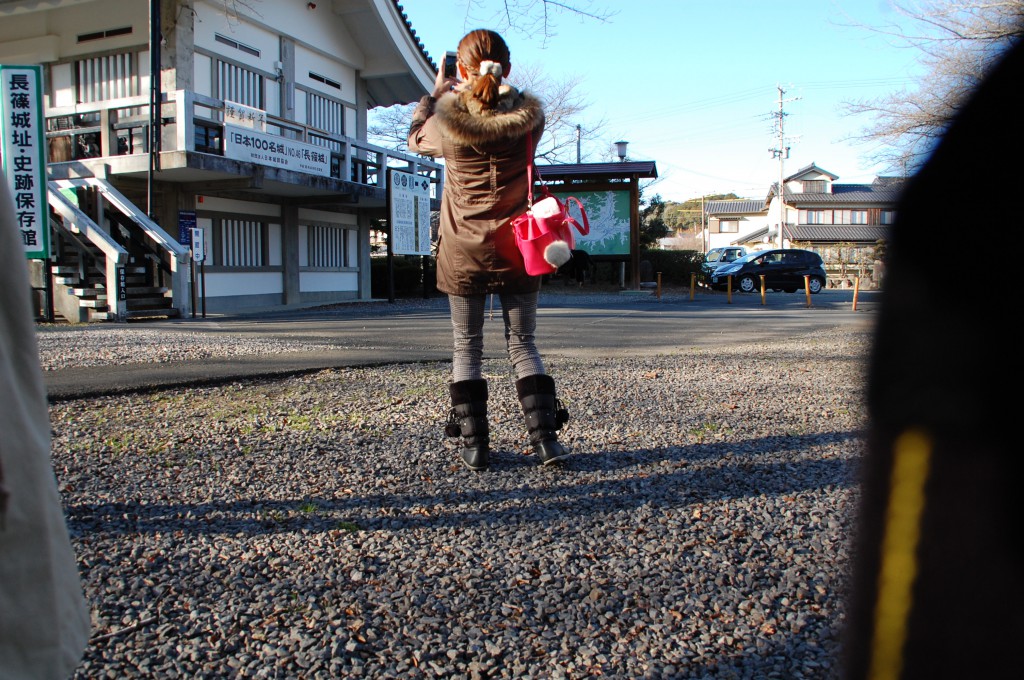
(447, 75)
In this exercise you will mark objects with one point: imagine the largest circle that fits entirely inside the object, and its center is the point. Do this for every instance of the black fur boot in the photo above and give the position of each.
(468, 419)
(544, 416)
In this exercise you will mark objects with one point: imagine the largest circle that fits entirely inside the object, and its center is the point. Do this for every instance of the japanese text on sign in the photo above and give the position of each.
(253, 146)
(21, 125)
(409, 201)
(246, 116)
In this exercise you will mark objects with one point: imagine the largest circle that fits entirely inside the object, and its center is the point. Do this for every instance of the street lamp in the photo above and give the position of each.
(620, 148)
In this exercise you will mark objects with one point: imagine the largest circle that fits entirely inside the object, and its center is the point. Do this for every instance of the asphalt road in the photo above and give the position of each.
(363, 334)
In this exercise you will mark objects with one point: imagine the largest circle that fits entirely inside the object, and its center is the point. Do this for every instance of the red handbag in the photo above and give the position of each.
(544, 232)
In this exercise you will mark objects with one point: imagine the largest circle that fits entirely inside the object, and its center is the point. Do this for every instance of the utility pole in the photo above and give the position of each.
(579, 137)
(781, 152)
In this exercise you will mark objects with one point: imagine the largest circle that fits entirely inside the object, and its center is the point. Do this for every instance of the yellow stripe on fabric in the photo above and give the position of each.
(911, 461)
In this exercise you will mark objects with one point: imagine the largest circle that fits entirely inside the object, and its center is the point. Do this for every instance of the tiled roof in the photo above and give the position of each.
(853, 194)
(735, 206)
(808, 168)
(412, 32)
(755, 235)
(840, 233)
(614, 170)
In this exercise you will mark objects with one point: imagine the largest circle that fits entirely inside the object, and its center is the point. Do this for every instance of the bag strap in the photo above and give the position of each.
(585, 229)
(529, 168)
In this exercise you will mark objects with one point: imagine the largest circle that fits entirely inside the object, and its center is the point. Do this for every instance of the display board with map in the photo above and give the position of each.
(608, 214)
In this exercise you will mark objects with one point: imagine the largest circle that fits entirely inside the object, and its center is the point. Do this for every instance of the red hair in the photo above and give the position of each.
(484, 45)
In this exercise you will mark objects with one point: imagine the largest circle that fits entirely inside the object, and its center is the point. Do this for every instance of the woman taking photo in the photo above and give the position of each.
(487, 132)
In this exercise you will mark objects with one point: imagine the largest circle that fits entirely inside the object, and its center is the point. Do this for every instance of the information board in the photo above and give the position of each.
(24, 160)
(409, 209)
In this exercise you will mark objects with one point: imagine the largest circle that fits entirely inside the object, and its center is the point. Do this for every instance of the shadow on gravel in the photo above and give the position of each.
(668, 479)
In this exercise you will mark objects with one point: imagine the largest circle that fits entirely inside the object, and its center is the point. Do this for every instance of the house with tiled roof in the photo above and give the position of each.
(731, 222)
(253, 138)
(847, 224)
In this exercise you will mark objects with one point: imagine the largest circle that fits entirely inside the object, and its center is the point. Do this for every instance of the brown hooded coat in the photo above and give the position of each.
(486, 160)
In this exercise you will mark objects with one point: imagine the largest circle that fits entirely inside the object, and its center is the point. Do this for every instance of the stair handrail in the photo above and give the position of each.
(78, 220)
(118, 200)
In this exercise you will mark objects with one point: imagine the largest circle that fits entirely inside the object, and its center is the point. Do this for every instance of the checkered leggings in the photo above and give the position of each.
(520, 315)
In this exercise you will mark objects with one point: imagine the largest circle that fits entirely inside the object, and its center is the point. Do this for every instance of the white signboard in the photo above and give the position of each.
(245, 116)
(409, 208)
(24, 160)
(252, 146)
(198, 245)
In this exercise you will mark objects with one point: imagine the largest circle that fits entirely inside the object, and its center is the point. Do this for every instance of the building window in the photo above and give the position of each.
(240, 85)
(812, 217)
(240, 243)
(328, 246)
(858, 217)
(109, 77)
(728, 226)
(109, 33)
(242, 47)
(325, 114)
(325, 80)
(888, 216)
(813, 186)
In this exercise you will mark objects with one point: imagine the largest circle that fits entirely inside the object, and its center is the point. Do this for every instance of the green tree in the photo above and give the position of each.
(652, 222)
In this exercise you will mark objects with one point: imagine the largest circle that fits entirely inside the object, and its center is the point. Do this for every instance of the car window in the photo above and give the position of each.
(714, 255)
(773, 258)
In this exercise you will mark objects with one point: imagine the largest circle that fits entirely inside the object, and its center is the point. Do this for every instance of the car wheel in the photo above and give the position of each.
(815, 285)
(747, 284)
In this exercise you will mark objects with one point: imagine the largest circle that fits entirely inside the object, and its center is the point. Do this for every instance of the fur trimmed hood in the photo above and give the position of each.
(466, 122)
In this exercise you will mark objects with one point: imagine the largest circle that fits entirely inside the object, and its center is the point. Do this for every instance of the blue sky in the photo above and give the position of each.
(692, 84)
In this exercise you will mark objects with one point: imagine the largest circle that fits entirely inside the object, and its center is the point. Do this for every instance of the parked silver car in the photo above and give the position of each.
(716, 257)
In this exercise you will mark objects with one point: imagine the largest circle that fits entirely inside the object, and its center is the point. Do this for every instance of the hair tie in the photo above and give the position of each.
(491, 67)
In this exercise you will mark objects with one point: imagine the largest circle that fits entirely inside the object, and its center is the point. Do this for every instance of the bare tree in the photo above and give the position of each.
(564, 106)
(958, 42)
(533, 17)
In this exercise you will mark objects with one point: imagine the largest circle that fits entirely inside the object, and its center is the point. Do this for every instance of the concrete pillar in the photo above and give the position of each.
(365, 285)
(286, 77)
(177, 24)
(290, 254)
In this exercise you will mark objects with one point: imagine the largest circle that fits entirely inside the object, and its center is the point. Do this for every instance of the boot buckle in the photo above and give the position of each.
(561, 415)
(452, 427)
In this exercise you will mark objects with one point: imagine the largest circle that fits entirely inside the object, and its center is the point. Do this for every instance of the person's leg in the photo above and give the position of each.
(536, 390)
(467, 314)
(520, 314)
(468, 389)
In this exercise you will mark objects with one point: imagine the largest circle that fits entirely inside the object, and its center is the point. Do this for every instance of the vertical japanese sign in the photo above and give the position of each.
(23, 152)
(409, 203)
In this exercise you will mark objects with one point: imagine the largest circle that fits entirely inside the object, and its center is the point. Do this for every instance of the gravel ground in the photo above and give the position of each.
(321, 526)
